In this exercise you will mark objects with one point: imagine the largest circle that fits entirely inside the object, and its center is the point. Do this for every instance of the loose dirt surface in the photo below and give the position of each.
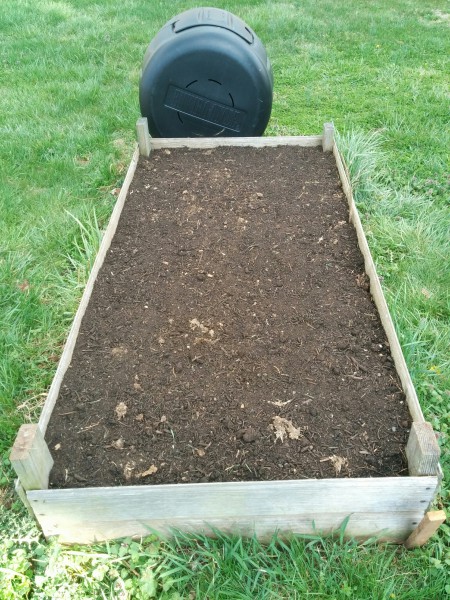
(231, 334)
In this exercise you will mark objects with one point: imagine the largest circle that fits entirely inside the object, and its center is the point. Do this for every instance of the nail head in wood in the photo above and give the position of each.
(422, 450)
(143, 136)
(31, 458)
(328, 137)
(426, 528)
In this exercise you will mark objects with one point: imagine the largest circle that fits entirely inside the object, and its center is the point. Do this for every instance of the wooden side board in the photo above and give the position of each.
(254, 142)
(378, 296)
(66, 356)
(389, 508)
(422, 451)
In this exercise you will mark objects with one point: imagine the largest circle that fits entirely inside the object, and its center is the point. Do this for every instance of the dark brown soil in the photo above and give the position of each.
(231, 334)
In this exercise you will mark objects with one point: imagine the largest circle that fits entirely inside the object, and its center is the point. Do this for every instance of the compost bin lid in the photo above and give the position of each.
(213, 17)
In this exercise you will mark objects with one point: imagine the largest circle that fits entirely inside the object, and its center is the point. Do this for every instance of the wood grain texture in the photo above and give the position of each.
(143, 136)
(390, 506)
(378, 296)
(389, 527)
(31, 458)
(22, 495)
(73, 333)
(328, 137)
(255, 142)
(422, 450)
(426, 528)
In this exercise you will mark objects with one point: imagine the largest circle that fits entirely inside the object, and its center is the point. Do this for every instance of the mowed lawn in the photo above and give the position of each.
(69, 75)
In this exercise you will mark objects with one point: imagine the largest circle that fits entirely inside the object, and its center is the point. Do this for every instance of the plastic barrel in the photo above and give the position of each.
(206, 73)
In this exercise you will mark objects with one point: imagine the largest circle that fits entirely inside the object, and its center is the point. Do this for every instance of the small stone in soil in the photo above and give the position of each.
(248, 435)
(228, 423)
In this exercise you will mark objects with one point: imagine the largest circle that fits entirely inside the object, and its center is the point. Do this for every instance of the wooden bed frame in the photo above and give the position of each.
(390, 508)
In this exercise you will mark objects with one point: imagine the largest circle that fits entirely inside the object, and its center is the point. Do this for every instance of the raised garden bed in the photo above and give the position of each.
(229, 367)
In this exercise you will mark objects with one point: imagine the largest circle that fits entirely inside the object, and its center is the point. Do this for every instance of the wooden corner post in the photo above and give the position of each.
(422, 450)
(425, 529)
(143, 136)
(31, 458)
(328, 137)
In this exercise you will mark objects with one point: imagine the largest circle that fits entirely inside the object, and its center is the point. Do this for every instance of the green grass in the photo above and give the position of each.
(409, 236)
(223, 568)
(69, 78)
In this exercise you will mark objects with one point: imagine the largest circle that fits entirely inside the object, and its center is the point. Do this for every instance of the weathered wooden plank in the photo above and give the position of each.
(392, 527)
(328, 137)
(422, 450)
(21, 493)
(143, 136)
(98, 513)
(379, 494)
(378, 296)
(31, 458)
(255, 142)
(426, 528)
(73, 334)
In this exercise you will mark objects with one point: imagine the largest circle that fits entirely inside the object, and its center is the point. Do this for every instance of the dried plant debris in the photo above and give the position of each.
(118, 444)
(195, 324)
(280, 403)
(121, 410)
(338, 462)
(119, 351)
(150, 471)
(128, 470)
(284, 428)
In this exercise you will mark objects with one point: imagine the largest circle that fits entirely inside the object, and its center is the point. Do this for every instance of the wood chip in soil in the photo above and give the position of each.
(231, 334)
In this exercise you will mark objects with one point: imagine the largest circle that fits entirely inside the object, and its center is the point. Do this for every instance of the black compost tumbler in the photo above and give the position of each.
(206, 73)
